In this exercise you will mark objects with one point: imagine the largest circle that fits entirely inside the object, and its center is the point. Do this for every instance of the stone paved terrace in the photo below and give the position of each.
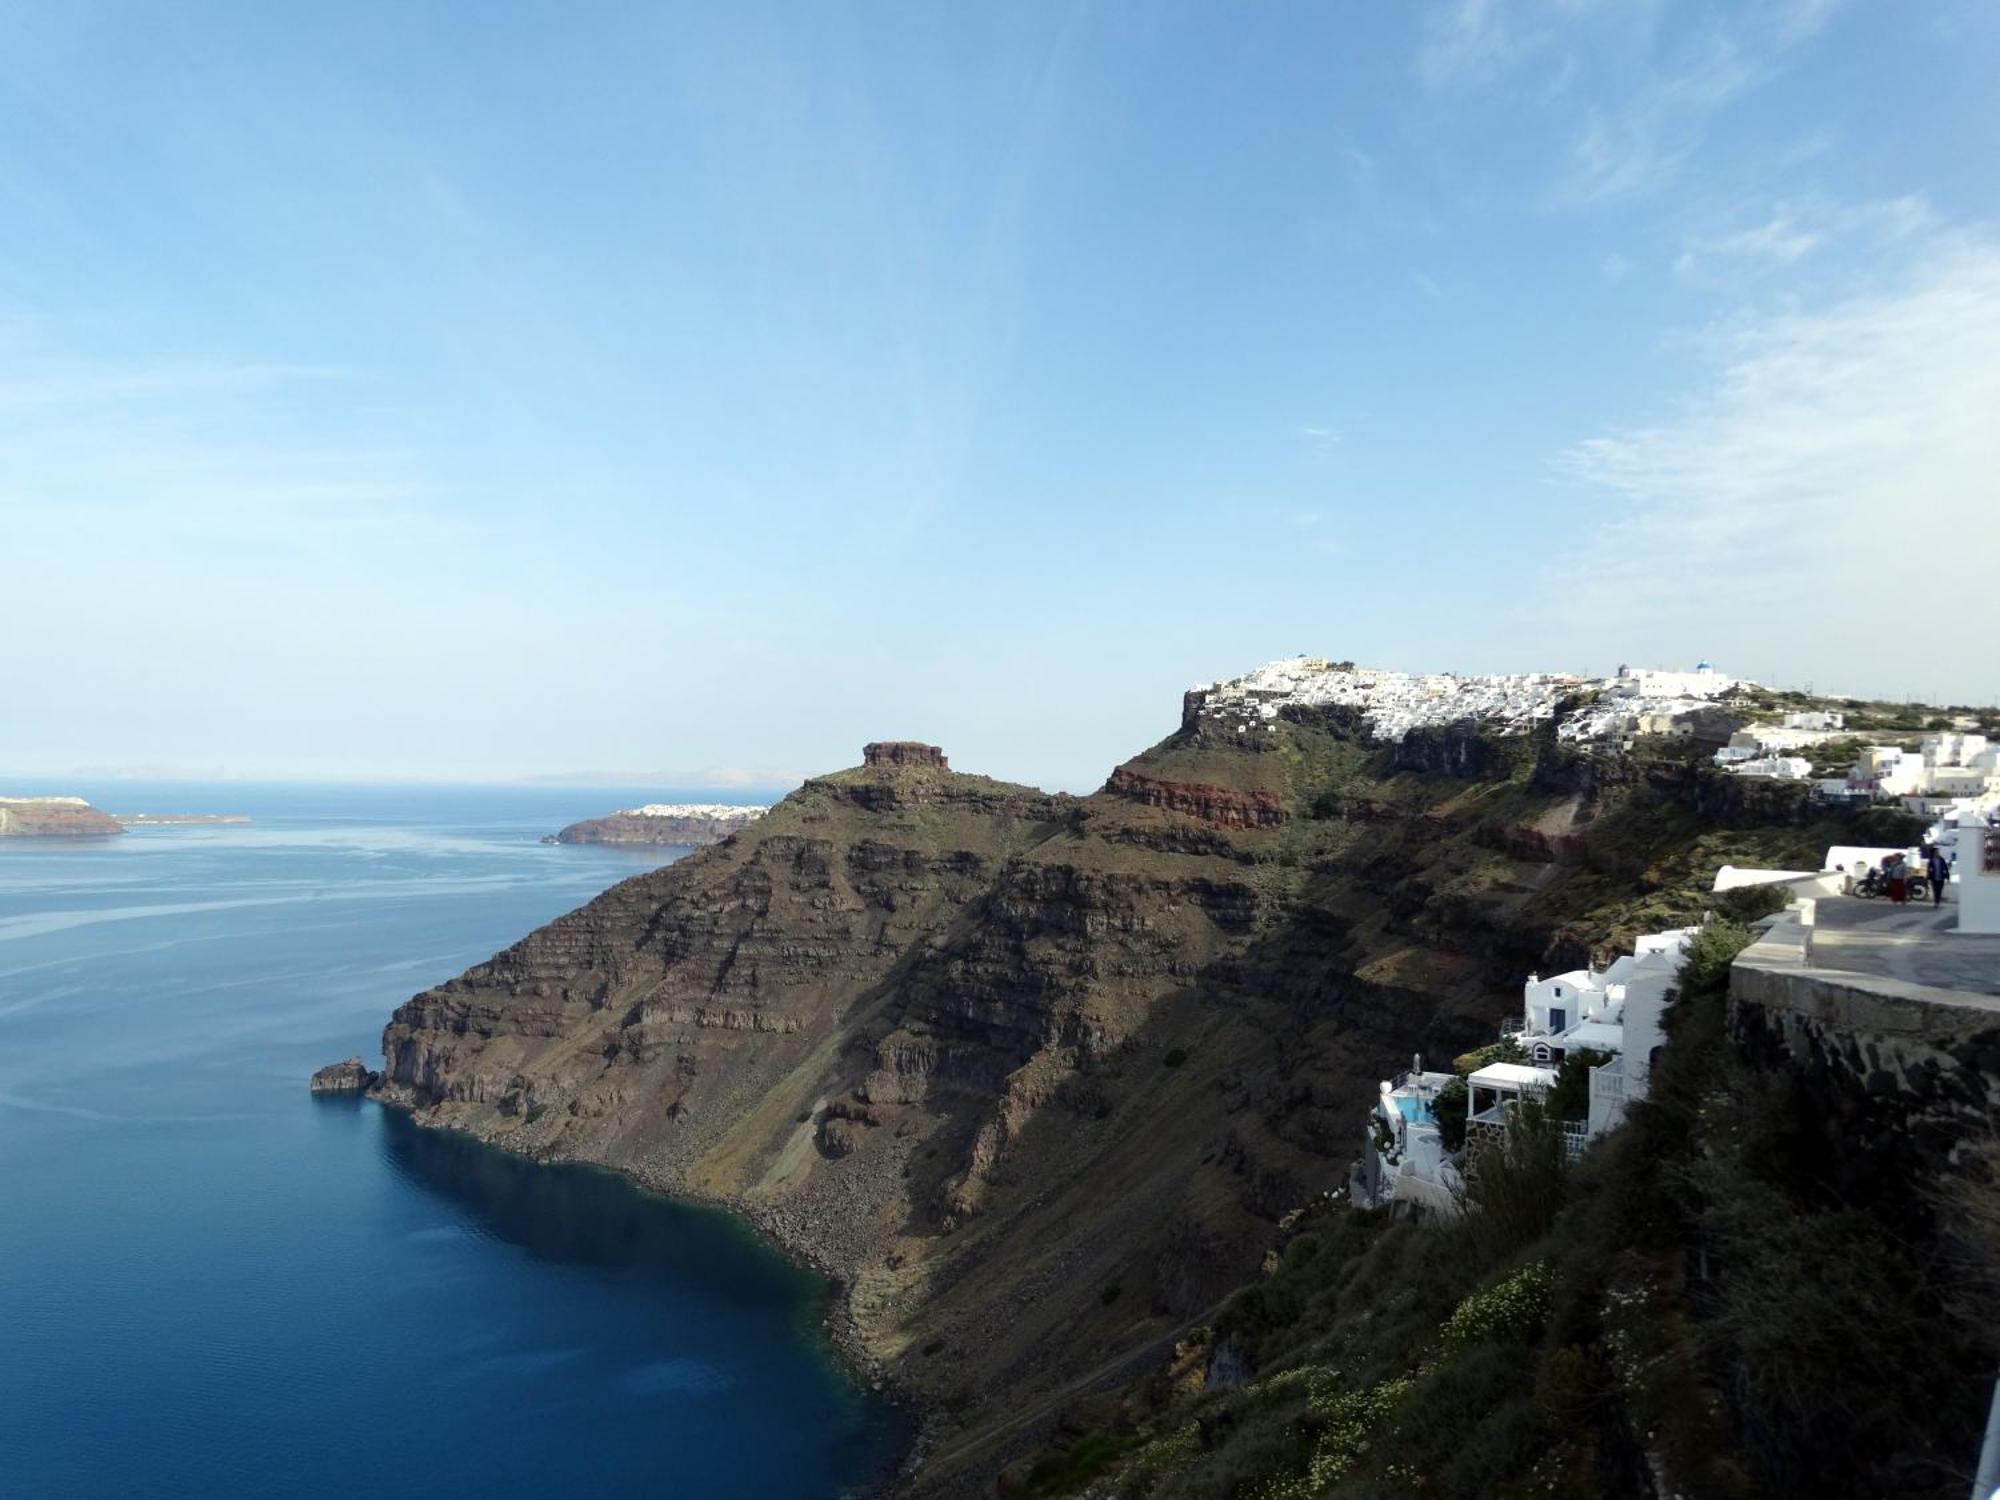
(1914, 944)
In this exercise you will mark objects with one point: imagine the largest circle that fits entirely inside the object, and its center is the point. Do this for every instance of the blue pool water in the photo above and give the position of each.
(213, 1284)
(1415, 1109)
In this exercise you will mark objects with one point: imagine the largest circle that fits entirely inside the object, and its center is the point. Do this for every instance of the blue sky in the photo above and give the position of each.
(497, 390)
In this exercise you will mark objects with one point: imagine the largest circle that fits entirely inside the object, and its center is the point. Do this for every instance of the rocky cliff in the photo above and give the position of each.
(53, 817)
(1035, 1076)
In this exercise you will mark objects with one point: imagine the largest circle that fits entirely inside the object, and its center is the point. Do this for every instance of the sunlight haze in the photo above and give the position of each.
(626, 391)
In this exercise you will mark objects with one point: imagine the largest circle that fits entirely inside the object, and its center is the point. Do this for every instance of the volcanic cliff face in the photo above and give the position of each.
(1036, 1075)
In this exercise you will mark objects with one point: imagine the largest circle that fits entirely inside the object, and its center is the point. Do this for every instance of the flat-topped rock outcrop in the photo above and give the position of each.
(904, 754)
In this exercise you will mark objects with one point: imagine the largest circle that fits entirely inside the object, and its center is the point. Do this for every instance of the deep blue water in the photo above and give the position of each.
(214, 1284)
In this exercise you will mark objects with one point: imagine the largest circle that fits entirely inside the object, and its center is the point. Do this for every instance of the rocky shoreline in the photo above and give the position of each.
(837, 1322)
(782, 1231)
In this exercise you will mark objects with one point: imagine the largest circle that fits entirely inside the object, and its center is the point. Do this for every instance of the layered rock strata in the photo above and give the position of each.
(1036, 1077)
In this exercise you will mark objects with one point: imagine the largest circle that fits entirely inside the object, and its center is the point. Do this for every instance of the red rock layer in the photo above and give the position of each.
(1219, 805)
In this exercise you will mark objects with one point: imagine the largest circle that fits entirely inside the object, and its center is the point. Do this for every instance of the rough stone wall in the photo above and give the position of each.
(1911, 1076)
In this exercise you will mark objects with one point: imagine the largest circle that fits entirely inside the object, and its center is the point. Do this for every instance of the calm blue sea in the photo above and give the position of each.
(214, 1284)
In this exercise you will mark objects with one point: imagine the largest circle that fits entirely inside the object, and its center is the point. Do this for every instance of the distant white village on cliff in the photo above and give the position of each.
(1949, 775)
(1606, 1024)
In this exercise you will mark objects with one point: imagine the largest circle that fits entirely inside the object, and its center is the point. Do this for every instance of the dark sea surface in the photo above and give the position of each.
(214, 1284)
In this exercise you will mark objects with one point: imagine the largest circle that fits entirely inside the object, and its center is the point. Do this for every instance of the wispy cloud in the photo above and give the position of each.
(1637, 93)
(1658, 123)
(1793, 230)
(1781, 239)
(1835, 477)
(1475, 40)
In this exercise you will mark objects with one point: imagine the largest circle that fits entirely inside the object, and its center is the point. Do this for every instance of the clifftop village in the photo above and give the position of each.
(1946, 771)
(1584, 1044)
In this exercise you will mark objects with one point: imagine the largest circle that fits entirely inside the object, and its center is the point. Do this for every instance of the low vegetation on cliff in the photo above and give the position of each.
(1707, 1304)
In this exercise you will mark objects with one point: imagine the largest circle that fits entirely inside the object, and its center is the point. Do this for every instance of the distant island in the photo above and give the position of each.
(54, 817)
(155, 820)
(72, 817)
(686, 824)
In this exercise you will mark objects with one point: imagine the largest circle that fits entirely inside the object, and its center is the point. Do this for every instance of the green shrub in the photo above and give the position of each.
(1510, 1309)
(1753, 903)
(1710, 952)
(1450, 1107)
(1570, 1098)
(1507, 1050)
(1069, 1469)
(1518, 1182)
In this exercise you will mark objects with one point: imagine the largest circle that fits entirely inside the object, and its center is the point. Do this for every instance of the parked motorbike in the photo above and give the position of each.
(1876, 883)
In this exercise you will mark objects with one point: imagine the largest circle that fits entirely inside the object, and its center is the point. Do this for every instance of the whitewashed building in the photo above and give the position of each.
(1394, 703)
(1619, 1010)
(1947, 767)
(1405, 1161)
(1775, 767)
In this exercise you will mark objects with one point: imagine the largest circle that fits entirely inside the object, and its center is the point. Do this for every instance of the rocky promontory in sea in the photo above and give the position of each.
(688, 825)
(1045, 1080)
(54, 817)
(350, 1076)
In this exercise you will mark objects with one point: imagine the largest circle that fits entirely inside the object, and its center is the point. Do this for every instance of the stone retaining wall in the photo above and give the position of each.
(1907, 1072)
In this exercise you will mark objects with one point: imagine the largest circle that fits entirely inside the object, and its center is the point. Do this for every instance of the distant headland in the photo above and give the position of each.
(73, 817)
(691, 825)
(156, 820)
(54, 817)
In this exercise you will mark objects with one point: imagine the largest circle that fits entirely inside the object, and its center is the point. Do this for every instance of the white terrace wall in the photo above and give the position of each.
(1978, 877)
